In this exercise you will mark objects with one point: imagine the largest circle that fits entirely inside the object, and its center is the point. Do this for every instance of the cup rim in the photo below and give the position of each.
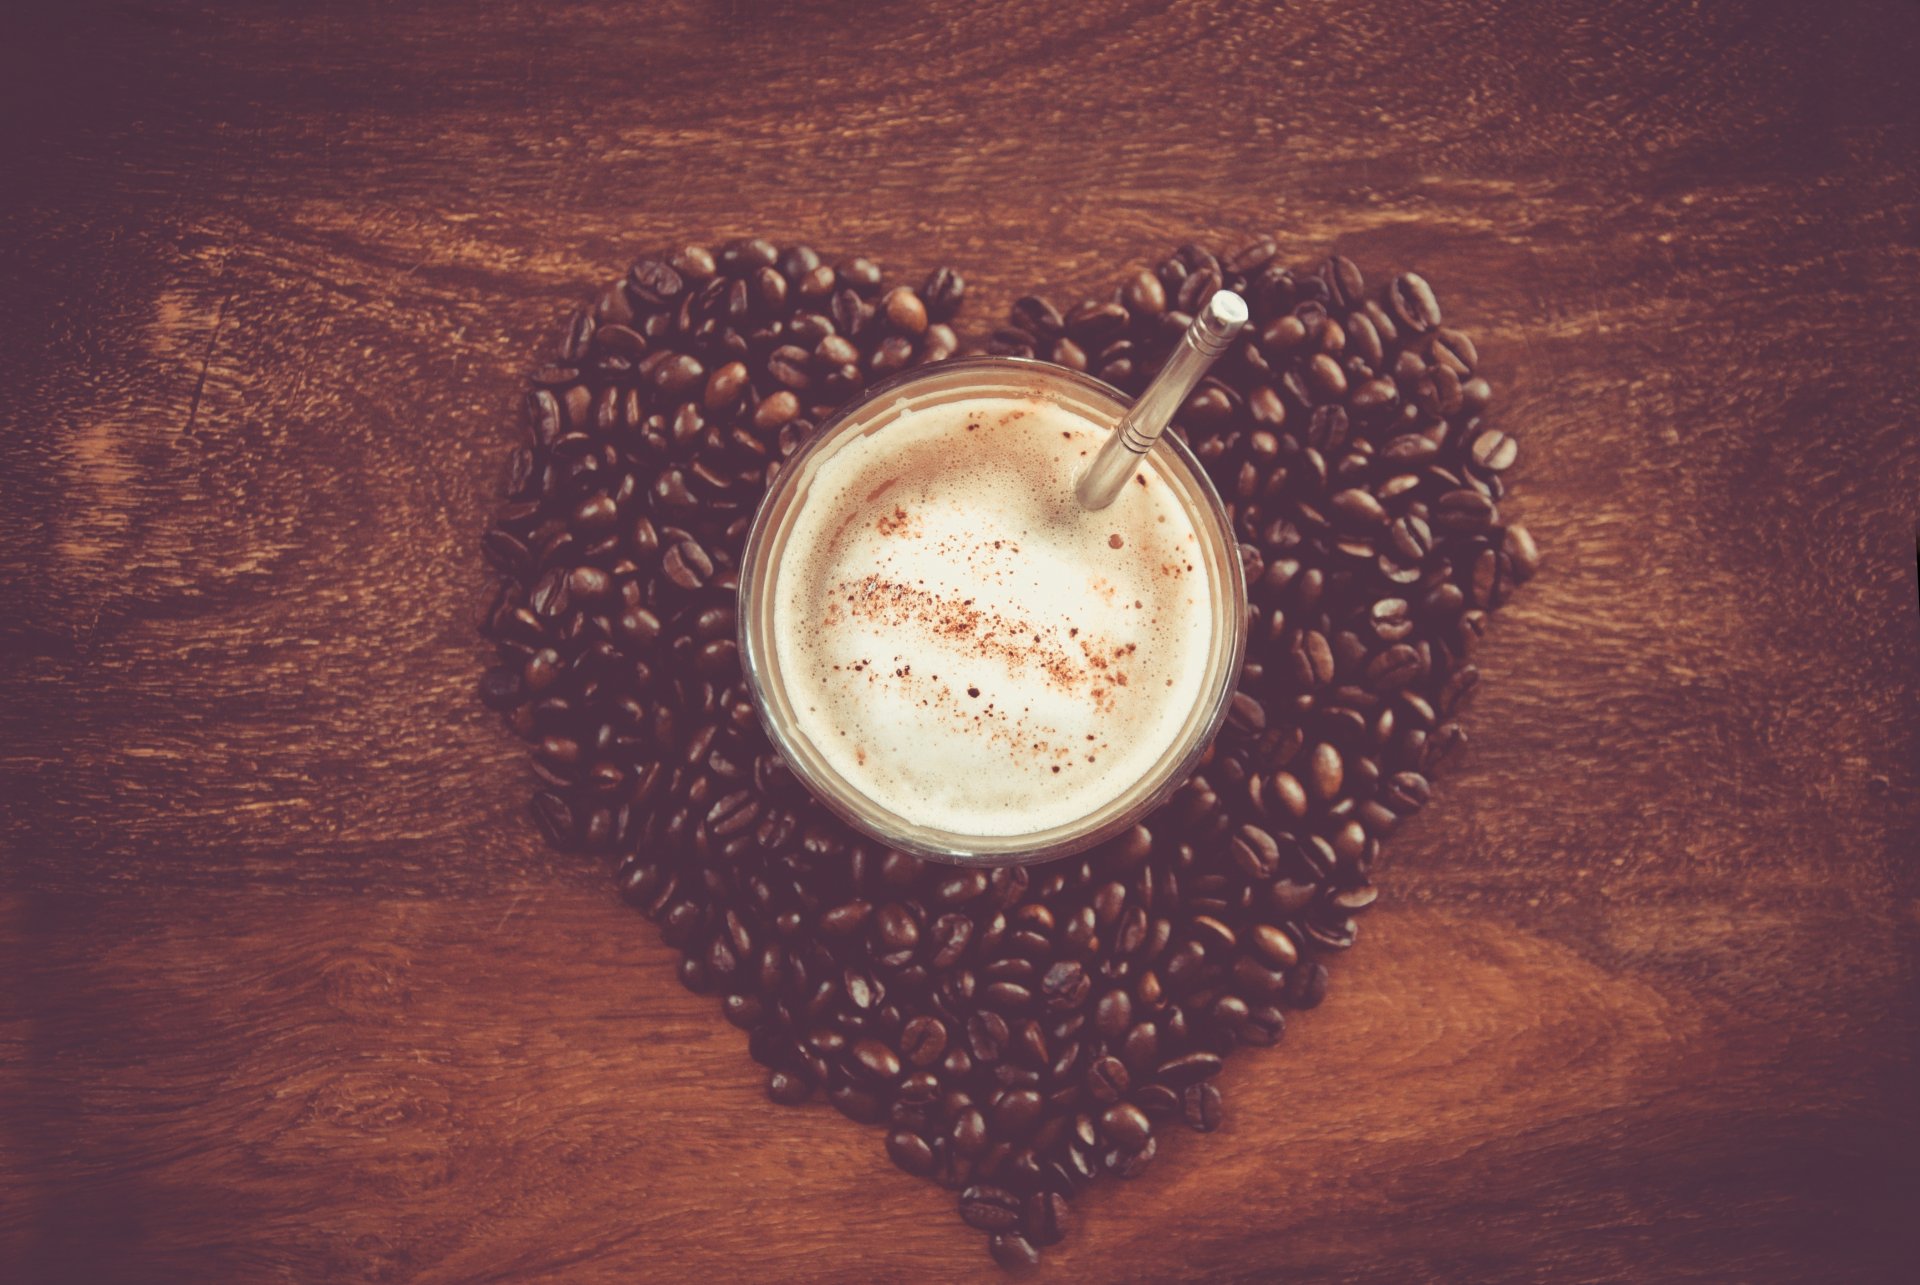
(832, 790)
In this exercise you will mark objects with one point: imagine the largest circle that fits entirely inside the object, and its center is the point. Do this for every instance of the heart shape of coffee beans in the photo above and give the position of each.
(1023, 1032)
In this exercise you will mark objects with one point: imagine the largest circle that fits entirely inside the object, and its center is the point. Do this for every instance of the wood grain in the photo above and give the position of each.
(295, 993)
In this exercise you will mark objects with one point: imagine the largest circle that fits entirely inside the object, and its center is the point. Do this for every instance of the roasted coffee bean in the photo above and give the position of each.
(687, 565)
(860, 274)
(969, 1132)
(1047, 1216)
(938, 344)
(678, 373)
(943, 291)
(1359, 508)
(654, 283)
(1493, 451)
(1245, 714)
(857, 1104)
(1413, 303)
(1275, 946)
(1201, 1105)
(1394, 668)
(1465, 511)
(1016, 1112)
(1122, 1163)
(1093, 324)
(1065, 985)
(1038, 317)
(1126, 1126)
(877, 1060)
(1012, 1250)
(1107, 1079)
(1264, 1026)
(987, 1036)
(790, 1089)
(905, 311)
(1454, 350)
(1143, 295)
(1522, 553)
(910, 1151)
(990, 1208)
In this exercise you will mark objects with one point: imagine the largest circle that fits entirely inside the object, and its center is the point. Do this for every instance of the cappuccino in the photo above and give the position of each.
(963, 643)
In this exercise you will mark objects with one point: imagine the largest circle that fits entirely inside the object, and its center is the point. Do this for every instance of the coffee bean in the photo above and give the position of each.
(910, 1151)
(744, 256)
(1143, 295)
(678, 373)
(987, 1036)
(939, 344)
(1107, 1079)
(1066, 985)
(1126, 1126)
(990, 1208)
(1307, 985)
(1454, 350)
(1202, 1107)
(1493, 451)
(1191, 1068)
(1047, 1216)
(1122, 1163)
(1313, 659)
(1522, 552)
(1359, 508)
(1255, 853)
(924, 1040)
(861, 275)
(1464, 512)
(1264, 1026)
(1012, 1250)
(1008, 996)
(905, 312)
(1016, 1112)
(1092, 324)
(1413, 303)
(1411, 539)
(1395, 668)
(789, 1089)
(654, 283)
(943, 291)
(1038, 317)
(1492, 579)
(1326, 378)
(969, 1132)
(877, 1060)
(896, 931)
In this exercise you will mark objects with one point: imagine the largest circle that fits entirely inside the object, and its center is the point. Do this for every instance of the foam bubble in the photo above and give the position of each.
(969, 647)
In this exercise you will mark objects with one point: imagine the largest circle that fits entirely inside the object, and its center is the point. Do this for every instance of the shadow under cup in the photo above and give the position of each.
(960, 380)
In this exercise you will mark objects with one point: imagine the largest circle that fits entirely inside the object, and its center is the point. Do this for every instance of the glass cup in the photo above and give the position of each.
(1100, 404)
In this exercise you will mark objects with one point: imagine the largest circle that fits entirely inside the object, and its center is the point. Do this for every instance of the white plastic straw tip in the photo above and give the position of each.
(1220, 321)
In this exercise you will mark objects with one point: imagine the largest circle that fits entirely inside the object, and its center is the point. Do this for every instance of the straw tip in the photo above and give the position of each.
(1226, 309)
(1219, 321)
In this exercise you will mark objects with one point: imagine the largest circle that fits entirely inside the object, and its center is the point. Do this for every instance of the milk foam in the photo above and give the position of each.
(968, 646)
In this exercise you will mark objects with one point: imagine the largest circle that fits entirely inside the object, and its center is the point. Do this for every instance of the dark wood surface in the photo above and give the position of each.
(293, 992)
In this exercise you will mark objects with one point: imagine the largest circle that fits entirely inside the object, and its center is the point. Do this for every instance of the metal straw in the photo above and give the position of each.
(1135, 435)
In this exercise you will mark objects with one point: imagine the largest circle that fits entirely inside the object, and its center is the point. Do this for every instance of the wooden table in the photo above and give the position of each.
(293, 992)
